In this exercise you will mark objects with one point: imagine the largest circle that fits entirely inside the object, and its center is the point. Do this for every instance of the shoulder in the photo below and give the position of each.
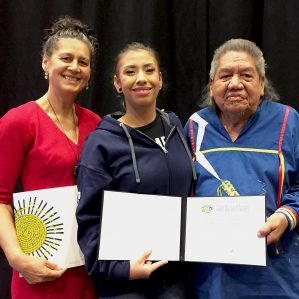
(18, 124)
(171, 118)
(202, 116)
(19, 111)
(106, 129)
(84, 113)
(278, 108)
(20, 115)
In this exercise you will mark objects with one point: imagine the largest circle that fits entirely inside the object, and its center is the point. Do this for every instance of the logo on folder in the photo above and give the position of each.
(207, 209)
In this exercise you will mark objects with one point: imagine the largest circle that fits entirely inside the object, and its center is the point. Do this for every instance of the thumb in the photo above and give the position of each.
(264, 230)
(52, 266)
(145, 256)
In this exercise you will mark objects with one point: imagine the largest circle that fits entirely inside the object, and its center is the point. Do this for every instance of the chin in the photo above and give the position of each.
(75, 89)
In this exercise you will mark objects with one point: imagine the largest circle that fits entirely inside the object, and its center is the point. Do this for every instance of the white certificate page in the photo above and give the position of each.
(46, 225)
(134, 223)
(224, 230)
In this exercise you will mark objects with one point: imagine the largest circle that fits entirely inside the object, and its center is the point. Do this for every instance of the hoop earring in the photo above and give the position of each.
(120, 90)
(46, 75)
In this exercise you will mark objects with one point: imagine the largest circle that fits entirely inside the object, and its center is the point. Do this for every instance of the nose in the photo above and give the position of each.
(74, 66)
(141, 77)
(235, 82)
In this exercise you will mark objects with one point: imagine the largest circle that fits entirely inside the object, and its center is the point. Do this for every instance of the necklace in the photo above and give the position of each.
(75, 153)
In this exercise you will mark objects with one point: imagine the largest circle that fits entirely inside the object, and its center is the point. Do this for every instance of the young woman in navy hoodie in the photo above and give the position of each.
(141, 151)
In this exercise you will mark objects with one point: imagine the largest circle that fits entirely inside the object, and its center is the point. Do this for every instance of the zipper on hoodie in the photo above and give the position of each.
(165, 152)
(172, 129)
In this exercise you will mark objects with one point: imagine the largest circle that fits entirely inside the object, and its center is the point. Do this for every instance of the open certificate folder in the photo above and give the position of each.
(46, 225)
(198, 229)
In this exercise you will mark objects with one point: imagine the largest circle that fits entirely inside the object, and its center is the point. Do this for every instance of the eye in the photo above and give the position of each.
(84, 62)
(150, 70)
(224, 77)
(129, 72)
(65, 58)
(247, 76)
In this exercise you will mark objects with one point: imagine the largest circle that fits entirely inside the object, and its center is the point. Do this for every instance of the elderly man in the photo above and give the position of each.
(245, 143)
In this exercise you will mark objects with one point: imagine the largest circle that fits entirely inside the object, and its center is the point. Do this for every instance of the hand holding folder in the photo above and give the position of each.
(207, 229)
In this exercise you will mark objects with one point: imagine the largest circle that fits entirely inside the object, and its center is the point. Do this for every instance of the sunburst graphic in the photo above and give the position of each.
(38, 226)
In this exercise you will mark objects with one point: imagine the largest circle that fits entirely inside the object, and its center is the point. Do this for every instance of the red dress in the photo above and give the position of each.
(34, 150)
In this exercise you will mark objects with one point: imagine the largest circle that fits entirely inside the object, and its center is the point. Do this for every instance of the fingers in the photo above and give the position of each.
(37, 270)
(272, 238)
(142, 268)
(264, 230)
(271, 235)
(274, 227)
(52, 266)
(144, 257)
(152, 266)
(54, 274)
(46, 275)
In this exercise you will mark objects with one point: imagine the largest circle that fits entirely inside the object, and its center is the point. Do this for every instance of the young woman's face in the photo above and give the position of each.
(139, 78)
(69, 66)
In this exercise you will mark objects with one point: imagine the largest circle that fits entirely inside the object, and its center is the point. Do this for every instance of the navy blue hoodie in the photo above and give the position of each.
(118, 157)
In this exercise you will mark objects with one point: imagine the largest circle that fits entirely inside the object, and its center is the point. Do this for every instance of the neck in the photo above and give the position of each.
(233, 125)
(63, 115)
(138, 117)
(62, 104)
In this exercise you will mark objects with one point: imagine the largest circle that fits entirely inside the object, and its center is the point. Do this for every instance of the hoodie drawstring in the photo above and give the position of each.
(137, 176)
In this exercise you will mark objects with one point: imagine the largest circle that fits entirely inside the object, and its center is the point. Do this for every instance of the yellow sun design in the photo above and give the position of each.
(37, 227)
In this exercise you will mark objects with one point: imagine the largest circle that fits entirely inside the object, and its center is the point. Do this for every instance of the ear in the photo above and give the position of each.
(116, 83)
(211, 90)
(160, 81)
(262, 87)
(45, 63)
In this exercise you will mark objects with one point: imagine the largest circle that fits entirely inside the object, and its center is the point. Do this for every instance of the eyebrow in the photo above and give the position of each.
(228, 69)
(71, 54)
(134, 65)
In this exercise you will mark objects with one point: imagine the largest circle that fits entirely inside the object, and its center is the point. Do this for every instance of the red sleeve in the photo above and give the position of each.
(15, 139)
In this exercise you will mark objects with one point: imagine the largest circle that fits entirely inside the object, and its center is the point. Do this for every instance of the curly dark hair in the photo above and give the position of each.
(68, 27)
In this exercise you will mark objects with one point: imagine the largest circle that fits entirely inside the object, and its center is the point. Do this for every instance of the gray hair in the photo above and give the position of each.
(240, 45)
(68, 27)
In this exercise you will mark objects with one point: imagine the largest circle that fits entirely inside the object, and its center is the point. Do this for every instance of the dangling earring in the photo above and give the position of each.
(46, 76)
(87, 86)
(120, 90)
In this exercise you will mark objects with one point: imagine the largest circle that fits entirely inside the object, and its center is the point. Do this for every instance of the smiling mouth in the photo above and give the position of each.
(70, 78)
(142, 91)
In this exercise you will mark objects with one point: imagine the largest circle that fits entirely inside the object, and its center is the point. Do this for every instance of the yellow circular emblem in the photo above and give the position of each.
(31, 232)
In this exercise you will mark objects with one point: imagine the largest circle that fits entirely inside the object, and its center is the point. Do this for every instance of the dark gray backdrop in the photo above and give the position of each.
(185, 33)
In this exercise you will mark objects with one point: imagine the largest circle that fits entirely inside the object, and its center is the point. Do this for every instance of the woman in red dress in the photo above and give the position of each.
(40, 145)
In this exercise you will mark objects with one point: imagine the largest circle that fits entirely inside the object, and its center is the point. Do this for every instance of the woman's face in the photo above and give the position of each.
(69, 66)
(237, 86)
(139, 77)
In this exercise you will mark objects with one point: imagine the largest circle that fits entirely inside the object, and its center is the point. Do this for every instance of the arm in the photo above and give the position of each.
(285, 217)
(90, 185)
(14, 144)
(94, 176)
